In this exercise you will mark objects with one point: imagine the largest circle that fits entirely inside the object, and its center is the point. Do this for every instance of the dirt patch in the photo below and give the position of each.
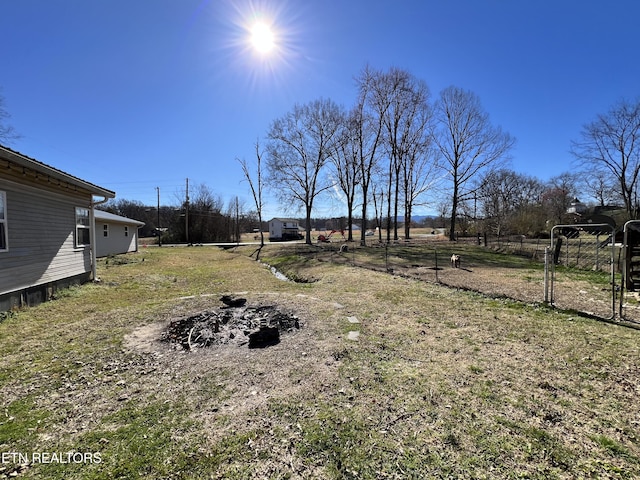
(521, 285)
(238, 325)
(225, 374)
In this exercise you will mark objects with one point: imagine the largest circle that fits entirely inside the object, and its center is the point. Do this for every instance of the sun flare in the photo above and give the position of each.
(262, 38)
(262, 43)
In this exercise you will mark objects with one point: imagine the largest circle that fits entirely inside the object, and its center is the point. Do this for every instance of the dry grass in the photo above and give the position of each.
(441, 383)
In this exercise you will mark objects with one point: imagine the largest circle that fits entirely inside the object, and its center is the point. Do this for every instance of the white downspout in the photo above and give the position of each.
(92, 233)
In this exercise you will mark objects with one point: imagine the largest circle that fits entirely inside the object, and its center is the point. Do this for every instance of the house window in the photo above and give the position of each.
(83, 235)
(4, 244)
(105, 230)
(126, 231)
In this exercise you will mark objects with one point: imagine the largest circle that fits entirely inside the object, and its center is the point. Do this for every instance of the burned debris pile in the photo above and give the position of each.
(233, 324)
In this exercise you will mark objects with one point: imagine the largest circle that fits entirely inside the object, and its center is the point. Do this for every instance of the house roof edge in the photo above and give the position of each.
(24, 161)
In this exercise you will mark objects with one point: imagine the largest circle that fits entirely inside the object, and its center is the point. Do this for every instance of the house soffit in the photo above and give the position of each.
(20, 167)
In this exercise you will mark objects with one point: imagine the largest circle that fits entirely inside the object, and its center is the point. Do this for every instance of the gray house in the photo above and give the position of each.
(115, 234)
(47, 229)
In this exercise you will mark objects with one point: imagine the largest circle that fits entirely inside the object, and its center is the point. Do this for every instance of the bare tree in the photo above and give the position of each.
(399, 102)
(497, 192)
(557, 197)
(346, 164)
(136, 210)
(256, 190)
(378, 201)
(300, 144)
(612, 142)
(234, 217)
(367, 123)
(205, 221)
(398, 87)
(152, 216)
(418, 162)
(405, 122)
(7, 133)
(419, 177)
(509, 202)
(443, 211)
(600, 185)
(467, 142)
(375, 98)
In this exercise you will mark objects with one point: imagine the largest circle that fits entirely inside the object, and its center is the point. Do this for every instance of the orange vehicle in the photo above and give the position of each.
(326, 238)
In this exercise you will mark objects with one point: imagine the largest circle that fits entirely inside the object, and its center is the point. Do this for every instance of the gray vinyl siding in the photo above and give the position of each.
(116, 242)
(41, 229)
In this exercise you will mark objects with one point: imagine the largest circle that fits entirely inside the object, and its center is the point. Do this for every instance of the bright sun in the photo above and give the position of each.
(262, 38)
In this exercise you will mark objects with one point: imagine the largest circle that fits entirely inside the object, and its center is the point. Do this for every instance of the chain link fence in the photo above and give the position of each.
(581, 267)
(585, 268)
(492, 272)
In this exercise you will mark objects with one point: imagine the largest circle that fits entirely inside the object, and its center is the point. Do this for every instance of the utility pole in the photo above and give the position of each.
(186, 216)
(158, 224)
(237, 222)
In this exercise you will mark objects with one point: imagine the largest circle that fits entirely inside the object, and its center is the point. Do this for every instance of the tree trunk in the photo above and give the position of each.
(454, 213)
(395, 210)
(308, 226)
(350, 220)
(390, 187)
(407, 220)
(363, 232)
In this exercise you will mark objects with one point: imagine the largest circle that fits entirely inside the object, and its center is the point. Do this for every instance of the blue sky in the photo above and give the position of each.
(133, 95)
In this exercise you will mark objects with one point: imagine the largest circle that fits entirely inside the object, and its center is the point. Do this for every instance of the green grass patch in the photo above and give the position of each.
(21, 422)
(612, 446)
(595, 277)
(442, 383)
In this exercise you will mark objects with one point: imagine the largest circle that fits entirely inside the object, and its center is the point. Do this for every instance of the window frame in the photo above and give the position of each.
(126, 230)
(82, 227)
(105, 230)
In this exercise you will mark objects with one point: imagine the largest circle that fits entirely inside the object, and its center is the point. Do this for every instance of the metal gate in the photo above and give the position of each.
(580, 269)
(630, 284)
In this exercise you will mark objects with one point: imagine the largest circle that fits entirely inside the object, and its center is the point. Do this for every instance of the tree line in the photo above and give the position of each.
(387, 151)
(396, 149)
(201, 217)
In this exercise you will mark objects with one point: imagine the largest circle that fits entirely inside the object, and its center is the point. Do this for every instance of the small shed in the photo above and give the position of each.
(282, 229)
(115, 234)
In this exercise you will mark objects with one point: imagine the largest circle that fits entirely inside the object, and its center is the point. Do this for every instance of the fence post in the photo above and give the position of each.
(386, 257)
(613, 273)
(546, 274)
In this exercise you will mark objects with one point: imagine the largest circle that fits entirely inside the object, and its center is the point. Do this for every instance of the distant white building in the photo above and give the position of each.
(577, 207)
(115, 234)
(281, 229)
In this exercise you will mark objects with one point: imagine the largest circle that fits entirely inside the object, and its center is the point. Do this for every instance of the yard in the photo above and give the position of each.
(387, 376)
